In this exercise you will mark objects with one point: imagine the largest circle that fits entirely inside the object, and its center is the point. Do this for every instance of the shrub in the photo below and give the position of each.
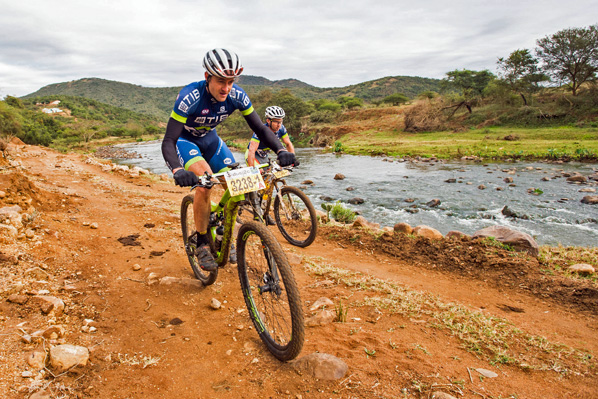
(338, 146)
(342, 214)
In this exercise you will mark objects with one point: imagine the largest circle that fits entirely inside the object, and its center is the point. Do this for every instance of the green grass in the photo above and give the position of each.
(556, 261)
(489, 143)
(491, 338)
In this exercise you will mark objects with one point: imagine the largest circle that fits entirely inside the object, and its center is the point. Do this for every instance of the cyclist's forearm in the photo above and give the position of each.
(173, 132)
(290, 147)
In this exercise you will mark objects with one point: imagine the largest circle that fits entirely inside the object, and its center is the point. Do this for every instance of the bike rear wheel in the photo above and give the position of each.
(188, 229)
(295, 216)
(270, 291)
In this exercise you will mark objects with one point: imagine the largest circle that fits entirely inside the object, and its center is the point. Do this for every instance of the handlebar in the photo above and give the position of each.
(276, 167)
(207, 180)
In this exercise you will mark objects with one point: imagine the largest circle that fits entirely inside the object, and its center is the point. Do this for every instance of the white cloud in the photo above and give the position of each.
(325, 43)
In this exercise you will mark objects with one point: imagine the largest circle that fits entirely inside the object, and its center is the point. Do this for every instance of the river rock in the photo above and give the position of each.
(320, 303)
(322, 318)
(184, 282)
(50, 304)
(37, 359)
(321, 366)
(360, 221)
(487, 373)
(51, 332)
(356, 201)
(63, 357)
(387, 231)
(582, 268)
(215, 304)
(519, 241)
(590, 199)
(18, 299)
(577, 179)
(508, 212)
(457, 234)
(339, 176)
(404, 228)
(433, 203)
(428, 232)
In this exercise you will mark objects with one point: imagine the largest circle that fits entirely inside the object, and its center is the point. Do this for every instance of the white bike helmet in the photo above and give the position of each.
(222, 63)
(274, 112)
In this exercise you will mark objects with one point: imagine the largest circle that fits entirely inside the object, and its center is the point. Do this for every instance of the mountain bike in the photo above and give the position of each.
(267, 280)
(293, 212)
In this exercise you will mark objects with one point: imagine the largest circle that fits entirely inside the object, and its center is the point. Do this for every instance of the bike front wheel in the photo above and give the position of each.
(295, 216)
(188, 229)
(270, 291)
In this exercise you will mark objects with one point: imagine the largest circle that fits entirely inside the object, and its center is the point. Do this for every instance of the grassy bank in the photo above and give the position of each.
(488, 143)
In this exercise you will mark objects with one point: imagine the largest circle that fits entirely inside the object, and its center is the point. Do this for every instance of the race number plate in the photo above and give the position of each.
(279, 174)
(244, 180)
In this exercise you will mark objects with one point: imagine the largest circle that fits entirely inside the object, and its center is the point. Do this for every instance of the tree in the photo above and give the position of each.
(470, 83)
(428, 94)
(325, 105)
(396, 99)
(350, 102)
(520, 72)
(294, 108)
(10, 121)
(571, 56)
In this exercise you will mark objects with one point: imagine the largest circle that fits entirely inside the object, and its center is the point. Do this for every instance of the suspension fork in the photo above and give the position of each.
(231, 206)
(274, 191)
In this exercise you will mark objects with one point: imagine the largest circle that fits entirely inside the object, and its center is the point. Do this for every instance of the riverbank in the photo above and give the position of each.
(93, 259)
(495, 143)
(382, 136)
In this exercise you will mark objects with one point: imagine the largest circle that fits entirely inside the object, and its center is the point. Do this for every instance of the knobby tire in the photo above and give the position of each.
(188, 228)
(308, 228)
(274, 304)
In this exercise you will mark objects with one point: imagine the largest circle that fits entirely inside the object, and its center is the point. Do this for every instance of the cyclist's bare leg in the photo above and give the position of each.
(201, 202)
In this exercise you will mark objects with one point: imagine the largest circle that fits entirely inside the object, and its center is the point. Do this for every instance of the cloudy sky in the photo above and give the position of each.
(326, 43)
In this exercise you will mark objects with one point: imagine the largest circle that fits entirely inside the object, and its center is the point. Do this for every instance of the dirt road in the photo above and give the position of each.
(422, 318)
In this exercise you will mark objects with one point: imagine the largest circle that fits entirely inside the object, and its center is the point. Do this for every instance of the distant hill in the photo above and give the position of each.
(158, 101)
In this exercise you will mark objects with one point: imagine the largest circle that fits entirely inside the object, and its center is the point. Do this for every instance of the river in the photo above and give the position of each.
(396, 192)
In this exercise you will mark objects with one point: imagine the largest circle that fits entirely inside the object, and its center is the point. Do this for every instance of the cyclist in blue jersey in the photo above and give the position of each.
(191, 145)
(257, 151)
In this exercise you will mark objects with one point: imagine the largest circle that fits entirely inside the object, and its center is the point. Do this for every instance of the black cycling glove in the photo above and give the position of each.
(184, 178)
(286, 158)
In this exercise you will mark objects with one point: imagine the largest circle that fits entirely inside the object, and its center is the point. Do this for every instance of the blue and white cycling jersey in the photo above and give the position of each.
(191, 130)
(281, 133)
(200, 112)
